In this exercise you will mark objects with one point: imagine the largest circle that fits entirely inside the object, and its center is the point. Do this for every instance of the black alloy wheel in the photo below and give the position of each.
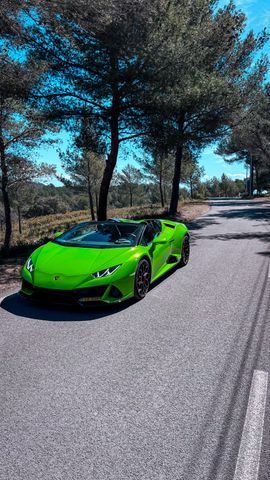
(142, 279)
(185, 252)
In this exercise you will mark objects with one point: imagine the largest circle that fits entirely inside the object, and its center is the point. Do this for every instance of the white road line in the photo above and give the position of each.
(248, 461)
(269, 270)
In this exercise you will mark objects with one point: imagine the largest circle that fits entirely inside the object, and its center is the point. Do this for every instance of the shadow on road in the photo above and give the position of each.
(22, 307)
(231, 203)
(255, 213)
(203, 222)
(264, 236)
(259, 214)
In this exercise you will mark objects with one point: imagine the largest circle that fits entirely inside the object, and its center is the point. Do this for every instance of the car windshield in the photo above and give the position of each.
(102, 235)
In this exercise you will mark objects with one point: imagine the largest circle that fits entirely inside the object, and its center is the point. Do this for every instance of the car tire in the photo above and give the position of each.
(142, 279)
(185, 251)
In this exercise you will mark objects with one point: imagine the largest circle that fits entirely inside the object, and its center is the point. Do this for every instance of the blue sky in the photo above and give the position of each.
(258, 17)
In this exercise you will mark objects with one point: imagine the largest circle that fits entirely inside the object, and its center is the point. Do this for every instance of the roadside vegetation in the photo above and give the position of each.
(39, 230)
(163, 78)
(41, 210)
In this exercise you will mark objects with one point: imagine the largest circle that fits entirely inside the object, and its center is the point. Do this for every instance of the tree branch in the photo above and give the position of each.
(70, 94)
(130, 137)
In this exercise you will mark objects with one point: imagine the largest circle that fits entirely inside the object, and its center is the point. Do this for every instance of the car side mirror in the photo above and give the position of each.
(57, 234)
(159, 241)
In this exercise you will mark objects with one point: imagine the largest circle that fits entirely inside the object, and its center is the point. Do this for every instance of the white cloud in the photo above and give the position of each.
(236, 175)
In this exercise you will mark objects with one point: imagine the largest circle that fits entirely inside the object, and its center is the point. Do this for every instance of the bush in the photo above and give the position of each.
(46, 206)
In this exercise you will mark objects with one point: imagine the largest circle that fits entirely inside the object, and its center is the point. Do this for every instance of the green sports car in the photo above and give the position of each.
(108, 261)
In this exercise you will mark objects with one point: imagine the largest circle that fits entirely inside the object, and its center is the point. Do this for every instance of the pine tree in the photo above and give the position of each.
(248, 140)
(208, 76)
(84, 163)
(21, 128)
(98, 54)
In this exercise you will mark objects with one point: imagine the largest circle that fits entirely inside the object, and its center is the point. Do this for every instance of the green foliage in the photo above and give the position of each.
(249, 136)
(208, 75)
(177, 75)
(128, 181)
(84, 163)
(21, 129)
(192, 173)
(225, 187)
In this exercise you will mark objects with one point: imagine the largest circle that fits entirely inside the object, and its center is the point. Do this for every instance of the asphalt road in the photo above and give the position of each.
(154, 390)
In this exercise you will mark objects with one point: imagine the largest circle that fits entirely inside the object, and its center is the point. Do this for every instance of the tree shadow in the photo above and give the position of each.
(260, 216)
(203, 222)
(255, 213)
(231, 203)
(264, 236)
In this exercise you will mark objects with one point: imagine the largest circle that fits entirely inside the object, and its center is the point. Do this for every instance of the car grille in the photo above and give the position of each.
(64, 296)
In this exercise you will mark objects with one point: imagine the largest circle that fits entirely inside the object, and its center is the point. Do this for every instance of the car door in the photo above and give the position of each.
(159, 252)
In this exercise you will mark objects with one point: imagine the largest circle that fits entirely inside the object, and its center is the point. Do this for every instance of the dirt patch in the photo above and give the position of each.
(10, 268)
(261, 200)
(192, 210)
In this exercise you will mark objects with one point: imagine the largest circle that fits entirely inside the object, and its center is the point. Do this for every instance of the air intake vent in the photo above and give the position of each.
(169, 225)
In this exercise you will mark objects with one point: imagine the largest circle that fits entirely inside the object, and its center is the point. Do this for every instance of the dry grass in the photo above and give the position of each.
(41, 229)
(265, 199)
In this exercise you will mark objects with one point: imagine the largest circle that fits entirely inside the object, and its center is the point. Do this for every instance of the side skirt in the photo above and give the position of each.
(166, 268)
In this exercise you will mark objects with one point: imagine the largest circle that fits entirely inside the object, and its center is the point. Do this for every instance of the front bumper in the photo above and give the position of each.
(83, 296)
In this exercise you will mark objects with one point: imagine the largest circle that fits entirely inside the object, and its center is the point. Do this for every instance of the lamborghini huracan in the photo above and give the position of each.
(107, 261)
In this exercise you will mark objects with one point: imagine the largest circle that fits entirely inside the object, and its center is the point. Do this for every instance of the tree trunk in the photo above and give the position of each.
(165, 195)
(90, 196)
(96, 199)
(106, 181)
(130, 198)
(91, 203)
(251, 187)
(191, 188)
(257, 177)
(177, 167)
(19, 219)
(5, 196)
(113, 155)
(161, 189)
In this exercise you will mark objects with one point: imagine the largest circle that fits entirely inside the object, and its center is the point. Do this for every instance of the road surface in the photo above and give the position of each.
(170, 388)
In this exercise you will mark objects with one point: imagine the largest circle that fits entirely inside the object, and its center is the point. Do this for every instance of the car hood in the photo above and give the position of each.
(53, 258)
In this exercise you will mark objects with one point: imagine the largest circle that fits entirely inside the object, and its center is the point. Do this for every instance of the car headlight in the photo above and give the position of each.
(105, 272)
(29, 265)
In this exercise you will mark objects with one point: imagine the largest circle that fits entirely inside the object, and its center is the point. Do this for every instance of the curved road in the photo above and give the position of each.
(154, 390)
